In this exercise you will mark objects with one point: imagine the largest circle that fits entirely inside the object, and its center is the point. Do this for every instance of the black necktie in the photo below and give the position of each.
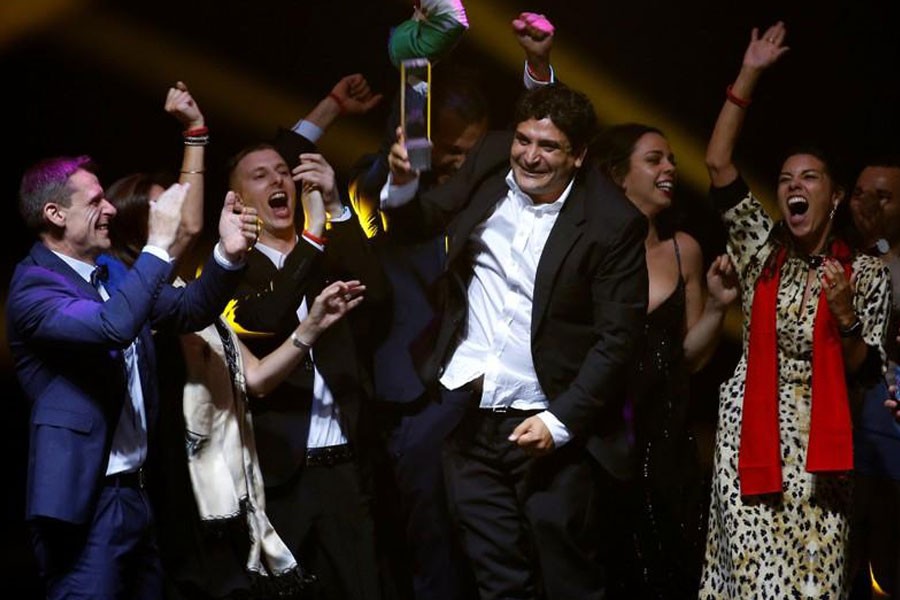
(99, 275)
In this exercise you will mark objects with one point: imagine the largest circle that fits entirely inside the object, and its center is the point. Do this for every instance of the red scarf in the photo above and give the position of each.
(830, 430)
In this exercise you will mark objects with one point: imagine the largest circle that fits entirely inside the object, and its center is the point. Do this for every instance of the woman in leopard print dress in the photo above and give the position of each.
(778, 525)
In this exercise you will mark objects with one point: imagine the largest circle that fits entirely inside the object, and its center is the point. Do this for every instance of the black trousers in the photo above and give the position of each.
(324, 516)
(437, 567)
(532, 527)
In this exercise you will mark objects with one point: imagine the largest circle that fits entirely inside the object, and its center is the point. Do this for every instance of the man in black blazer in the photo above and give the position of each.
(311, 430)
(544, 297)
(416, 425)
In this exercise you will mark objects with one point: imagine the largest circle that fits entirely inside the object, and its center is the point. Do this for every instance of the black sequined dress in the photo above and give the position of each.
(671, 491)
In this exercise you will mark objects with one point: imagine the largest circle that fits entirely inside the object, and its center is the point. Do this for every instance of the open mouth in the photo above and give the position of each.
(797, 205)
(278, 200)
(667, 186)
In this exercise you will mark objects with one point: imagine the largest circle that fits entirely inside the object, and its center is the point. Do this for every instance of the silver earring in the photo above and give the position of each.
(833, 210)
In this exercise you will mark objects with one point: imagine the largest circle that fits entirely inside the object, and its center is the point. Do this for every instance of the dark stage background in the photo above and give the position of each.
(90, 77)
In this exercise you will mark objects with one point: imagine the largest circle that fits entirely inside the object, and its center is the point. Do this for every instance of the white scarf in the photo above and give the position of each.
(221, 449)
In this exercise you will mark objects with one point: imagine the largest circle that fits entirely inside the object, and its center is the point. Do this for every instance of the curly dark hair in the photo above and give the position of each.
(570, 110)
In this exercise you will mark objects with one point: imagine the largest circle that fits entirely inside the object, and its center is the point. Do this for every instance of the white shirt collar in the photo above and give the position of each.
(82, 268)
(276, 256)
(554, 206)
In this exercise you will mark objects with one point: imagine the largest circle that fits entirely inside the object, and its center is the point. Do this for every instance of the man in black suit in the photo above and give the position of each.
(310, 434)
(415, 425)
(544, 297)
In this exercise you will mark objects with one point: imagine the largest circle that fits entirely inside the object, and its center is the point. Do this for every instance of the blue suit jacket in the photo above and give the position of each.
(68, 348)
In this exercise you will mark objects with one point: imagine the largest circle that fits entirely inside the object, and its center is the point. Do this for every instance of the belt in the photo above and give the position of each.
(505, 411)
(328, 456)
(133, 479)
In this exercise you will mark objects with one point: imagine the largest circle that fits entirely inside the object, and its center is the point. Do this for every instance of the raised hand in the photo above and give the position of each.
(534, 33)
(165, 216)
(181, 105)
(353, 95)
(838, 291)
(239, 227)
(329, 307)
(314, 173)
(398, 161)
(763, 52)
(722, 282)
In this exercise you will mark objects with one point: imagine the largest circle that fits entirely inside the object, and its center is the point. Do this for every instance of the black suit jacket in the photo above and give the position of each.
(590, 295)
(265, 308)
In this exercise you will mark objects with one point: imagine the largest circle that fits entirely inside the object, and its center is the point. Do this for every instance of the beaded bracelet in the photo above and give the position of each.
(196, 140)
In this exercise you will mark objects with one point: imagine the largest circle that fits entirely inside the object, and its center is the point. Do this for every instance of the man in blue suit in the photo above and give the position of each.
(84, 356)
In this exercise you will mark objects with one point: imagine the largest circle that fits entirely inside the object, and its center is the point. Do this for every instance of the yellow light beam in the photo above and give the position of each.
(19, 18)
(490, 31)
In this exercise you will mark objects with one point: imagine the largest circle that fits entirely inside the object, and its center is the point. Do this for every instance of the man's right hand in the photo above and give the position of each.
(534, 33)
(165, 216)
(398, 161)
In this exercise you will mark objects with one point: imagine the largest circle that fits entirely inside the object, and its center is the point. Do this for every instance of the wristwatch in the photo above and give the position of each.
(854, 330)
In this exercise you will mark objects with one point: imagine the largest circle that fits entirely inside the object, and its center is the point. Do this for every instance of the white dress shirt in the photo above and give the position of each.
(129, 443)
(505, 251)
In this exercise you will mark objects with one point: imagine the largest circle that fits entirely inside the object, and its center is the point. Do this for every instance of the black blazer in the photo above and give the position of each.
(590, 296)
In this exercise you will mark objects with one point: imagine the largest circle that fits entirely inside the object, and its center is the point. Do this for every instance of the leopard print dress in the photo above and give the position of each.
(792, 546)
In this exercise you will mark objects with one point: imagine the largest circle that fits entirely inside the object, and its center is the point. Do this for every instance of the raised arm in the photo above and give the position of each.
(195, 306)
(350, 96)
(705, 329)
(534, 32)
(181, 105)
(762, 52)
(335, 301)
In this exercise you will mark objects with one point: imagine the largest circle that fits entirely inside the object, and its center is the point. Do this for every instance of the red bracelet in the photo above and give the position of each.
(736, 100)
(533, 75)
(195, 131)
(314, 238)
(337, 100)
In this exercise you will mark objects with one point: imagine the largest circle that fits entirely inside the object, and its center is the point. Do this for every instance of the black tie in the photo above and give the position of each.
(99, 275)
